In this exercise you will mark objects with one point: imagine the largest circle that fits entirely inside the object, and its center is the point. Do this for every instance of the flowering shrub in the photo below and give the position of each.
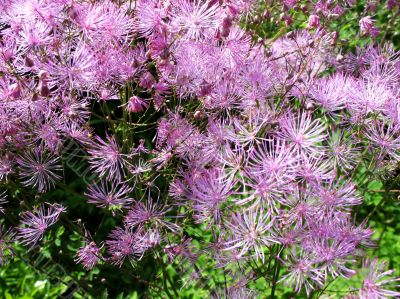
(231, 134)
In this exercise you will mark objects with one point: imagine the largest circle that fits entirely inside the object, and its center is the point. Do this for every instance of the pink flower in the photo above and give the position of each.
(302, 272)
(385, 138)
(184, 250)
(331, 93)
(113, 196)
(377, 282)
(195, 20)
(149, 17)
(122, 244)
(136, 104)
(39, 169)
(305, 134)
(106, 158)
(88, 255)
(147, 80)
(35, 223)
(210, 188)
(149, 214)
(251, 231)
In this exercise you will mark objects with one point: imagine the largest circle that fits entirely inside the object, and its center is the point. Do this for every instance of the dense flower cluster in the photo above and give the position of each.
(256, 140)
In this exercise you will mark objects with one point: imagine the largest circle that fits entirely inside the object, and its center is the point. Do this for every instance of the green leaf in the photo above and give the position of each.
(75, 236)
(375, 185)
(95, 270)
(133, 296)
(104, 295)
(46, 253)
(60, 231)
(7, 295)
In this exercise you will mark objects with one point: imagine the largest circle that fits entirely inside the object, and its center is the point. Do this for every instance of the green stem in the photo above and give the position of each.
(277, 268)
(167, 278)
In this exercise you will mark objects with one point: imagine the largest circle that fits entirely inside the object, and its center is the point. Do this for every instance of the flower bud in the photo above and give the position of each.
(7, 54)
(73, 13)
(136, 104)
(266, 14)
(256, 19)
(29, 62)
(198, 115)
(43, 89)
(227, 22)
(14, 91)
(135, 63)
(288, 20)
(391, 4)
(147, 80)
(43, 75)
(233, 10)
(337, 11)
(313, 21)
(334, 37)
(164, 54)
(367, 26)
(309, 105)
(225, 32)
(205, 89)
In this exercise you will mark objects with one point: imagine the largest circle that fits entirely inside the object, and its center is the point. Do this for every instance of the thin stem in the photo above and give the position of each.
(389, 25)
(277, 268)
(167, 278)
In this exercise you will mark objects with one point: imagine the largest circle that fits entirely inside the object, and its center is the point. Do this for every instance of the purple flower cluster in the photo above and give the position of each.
(257, 140)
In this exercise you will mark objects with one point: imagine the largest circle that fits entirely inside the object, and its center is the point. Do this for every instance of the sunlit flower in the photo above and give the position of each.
(195, 19)
(251, 231)
(302, 132)
(377, 281)
(35, 223)
(113, 196)
(106, 158)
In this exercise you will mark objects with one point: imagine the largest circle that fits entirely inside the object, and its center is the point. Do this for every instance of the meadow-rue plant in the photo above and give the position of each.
(230, 131)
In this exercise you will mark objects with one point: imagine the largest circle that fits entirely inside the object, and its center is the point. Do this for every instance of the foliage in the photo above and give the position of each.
(197, 148)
